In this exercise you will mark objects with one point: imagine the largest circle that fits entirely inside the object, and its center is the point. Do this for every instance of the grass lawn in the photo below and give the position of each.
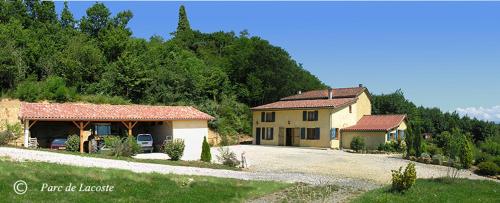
(128, 186)
(438, 190)
(199, 164)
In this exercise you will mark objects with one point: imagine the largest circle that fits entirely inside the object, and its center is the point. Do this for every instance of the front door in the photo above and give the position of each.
(281, 136)
(289, 136)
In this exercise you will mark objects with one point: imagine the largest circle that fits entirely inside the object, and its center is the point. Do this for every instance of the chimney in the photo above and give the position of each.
(299, 92)
(330, 93)
(360, 85)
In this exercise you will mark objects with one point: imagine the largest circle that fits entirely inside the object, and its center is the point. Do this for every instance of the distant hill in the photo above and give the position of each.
(46, 57)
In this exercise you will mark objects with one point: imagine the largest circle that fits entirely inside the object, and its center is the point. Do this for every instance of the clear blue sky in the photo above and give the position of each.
(441, 54)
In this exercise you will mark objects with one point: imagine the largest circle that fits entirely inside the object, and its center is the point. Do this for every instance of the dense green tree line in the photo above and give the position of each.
(96, 59)
(432, 120)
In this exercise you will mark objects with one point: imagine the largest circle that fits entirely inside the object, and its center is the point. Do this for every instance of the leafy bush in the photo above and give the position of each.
(28, 91)
(4, 138)
(110, 141)
(432, 149)
(412, 152)
(357, 143)
(425, 158)
(398, 146)
(488, 168)
(437, 159)
(135, 148)
(496, 160)
(403, 181)
(53, 88)
(11, 132)
(387, 147)
(175, 149)
(206, 156)
(126, 147)
(425, 155)
(73, 143)
(491, 147)
(227, 157)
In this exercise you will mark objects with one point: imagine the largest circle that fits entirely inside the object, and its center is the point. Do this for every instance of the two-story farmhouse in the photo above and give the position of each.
(324, 118)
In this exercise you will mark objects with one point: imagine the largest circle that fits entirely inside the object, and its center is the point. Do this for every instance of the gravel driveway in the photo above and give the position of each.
(17, 154)
(333, 163)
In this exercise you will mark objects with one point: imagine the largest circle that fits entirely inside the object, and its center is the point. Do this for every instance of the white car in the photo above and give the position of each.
(145, 141)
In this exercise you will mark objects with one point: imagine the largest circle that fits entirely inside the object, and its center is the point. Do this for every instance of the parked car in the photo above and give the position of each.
(58, 144)
(145, 141)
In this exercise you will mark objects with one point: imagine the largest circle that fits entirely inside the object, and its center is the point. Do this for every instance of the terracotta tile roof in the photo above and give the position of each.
(323, 94)
(377, 123)
(315, 103)
(106, 112)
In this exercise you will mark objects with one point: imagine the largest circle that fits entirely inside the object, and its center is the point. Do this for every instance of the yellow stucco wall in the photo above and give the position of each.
(293, 119)
(372, 139)
(363, 105)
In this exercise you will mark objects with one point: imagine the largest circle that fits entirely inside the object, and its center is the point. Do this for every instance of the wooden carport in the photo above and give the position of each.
(81, 115)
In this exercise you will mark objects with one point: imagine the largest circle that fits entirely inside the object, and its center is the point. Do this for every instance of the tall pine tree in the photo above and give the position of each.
(183, 35)
(183, 24)
(67, 20)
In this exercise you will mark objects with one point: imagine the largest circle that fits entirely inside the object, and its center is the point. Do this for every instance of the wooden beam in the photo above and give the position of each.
(76, 124)
(134, 124)
(31, 124)
(84, 126)
(125, 124)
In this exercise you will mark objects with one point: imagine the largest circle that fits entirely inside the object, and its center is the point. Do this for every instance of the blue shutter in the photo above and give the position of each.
(388, 136)
(303, 133)
(317, 134)
(333, 133)
(402, 134)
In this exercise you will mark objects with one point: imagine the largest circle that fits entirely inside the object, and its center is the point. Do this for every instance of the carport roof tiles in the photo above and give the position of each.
(106, 112)
(377, 123)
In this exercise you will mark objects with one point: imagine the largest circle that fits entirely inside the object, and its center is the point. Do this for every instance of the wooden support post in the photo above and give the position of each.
(129, 125)
(81, 136)
(80, 125)
(26, 133)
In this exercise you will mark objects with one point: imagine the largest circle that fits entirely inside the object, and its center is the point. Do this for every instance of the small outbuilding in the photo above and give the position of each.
(44, 122)
(376, 130)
